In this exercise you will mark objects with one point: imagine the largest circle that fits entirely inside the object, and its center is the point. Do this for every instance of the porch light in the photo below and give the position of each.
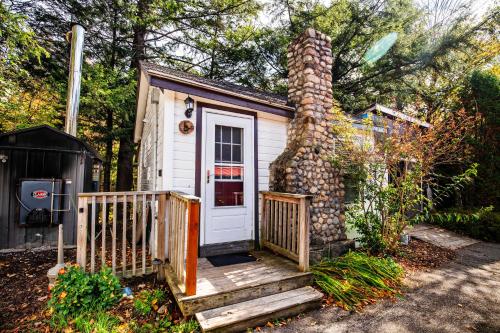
(189, 106)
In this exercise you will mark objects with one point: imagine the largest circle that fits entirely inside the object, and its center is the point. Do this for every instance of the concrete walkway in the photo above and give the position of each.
(461, 296)
(441, 237)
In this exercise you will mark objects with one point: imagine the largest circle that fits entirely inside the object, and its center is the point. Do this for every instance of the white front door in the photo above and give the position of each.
(229, 178)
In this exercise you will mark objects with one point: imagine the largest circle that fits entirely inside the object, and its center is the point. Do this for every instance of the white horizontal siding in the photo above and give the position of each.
(271, 141)
(184, 152)
(179, 149)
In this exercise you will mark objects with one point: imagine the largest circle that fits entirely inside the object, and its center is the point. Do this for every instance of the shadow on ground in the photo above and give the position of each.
(461, 296)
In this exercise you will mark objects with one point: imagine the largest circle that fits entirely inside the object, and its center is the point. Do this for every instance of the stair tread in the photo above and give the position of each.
(235, 313)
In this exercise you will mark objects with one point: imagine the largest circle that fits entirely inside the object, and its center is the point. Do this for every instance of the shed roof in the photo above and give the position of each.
(46, 137)
(151, 68)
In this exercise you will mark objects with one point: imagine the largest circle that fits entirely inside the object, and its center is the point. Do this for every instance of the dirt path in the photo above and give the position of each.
(461, 296)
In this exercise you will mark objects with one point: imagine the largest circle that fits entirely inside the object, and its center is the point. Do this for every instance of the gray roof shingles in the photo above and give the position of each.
(221, 84)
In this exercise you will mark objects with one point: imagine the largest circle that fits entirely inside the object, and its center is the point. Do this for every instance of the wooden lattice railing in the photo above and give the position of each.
(114, 222)
(284, 226)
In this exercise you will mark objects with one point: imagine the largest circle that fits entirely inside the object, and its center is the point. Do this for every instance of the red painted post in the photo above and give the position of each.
(192, 247)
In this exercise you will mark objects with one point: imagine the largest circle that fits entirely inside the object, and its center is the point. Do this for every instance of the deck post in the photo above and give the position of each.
(303, 236)
(160, 234)
(263, 221)
(192, 246)
(83, 211)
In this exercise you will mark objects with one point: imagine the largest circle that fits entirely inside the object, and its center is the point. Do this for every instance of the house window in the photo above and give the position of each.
(229, 166)
(351, 190)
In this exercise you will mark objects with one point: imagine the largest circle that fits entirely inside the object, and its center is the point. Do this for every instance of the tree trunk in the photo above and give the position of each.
(125, 172)
(109, 113)
(109, 153)
(138, 46)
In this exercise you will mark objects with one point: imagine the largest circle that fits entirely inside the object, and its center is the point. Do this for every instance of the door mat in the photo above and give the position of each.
(231, 259)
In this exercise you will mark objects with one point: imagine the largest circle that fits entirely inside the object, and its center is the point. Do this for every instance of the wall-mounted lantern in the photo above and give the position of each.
(189, 106)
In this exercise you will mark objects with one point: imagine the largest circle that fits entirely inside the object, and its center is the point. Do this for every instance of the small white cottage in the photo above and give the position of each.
(224, 143)
(211, 139)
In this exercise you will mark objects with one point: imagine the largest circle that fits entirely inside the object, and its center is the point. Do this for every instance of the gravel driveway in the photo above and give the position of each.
(461, 296)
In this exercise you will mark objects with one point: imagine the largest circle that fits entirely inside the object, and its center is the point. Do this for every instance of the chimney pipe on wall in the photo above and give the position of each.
(75, 78)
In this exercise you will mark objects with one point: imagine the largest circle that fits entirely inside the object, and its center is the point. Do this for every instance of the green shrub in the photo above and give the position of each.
(148, 300)
(368, 226)
(356, 279)
(77, 292)
(482, 223)
(383, 210)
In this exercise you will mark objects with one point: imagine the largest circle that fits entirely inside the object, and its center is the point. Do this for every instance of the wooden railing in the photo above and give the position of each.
(114, 222)
(284, 226)
(183, 231)
(116, 226)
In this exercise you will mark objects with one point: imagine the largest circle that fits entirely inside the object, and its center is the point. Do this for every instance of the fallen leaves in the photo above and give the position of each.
(419, 255)
(24, 292)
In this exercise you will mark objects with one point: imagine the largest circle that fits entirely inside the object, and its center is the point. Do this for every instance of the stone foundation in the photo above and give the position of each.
(304, 167)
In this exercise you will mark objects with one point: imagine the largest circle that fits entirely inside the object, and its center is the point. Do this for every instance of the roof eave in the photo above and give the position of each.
(398, 114)
(217, 89)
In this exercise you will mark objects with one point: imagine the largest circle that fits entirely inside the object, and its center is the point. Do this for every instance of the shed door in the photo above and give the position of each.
(229, 188)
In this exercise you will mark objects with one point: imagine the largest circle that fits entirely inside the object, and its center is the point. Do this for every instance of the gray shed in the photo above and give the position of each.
(40, 164)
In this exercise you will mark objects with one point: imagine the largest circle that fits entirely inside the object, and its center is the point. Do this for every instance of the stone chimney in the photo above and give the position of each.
(304, 167)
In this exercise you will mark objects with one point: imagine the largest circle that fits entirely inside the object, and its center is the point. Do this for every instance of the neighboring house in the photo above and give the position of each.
(383, 116)
(238, 141)
(382, 121)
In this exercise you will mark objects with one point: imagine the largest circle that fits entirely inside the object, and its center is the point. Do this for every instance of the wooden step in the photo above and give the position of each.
(238, 317)
(218, 287)
(192, 304)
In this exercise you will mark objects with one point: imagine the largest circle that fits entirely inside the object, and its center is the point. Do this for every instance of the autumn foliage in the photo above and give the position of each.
(393, 163)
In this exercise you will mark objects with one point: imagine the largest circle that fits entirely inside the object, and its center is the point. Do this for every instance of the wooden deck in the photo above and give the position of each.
(221, 286)
(224, 299)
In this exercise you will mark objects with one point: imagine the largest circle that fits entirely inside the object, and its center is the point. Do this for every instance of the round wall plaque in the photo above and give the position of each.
(186, 127)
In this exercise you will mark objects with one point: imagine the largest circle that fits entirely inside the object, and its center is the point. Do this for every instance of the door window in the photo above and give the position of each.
(228, 166)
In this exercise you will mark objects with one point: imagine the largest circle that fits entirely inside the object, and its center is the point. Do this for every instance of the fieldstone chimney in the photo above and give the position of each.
(305, 166)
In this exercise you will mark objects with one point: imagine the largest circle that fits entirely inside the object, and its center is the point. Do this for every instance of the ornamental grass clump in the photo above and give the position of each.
(356, 279)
